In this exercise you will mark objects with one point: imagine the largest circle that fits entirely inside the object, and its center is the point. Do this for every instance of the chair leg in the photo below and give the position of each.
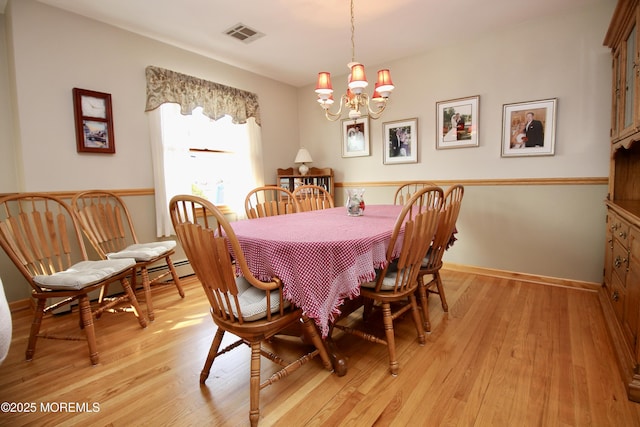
(391, 339)
(424, 301)
(146, 284)
(35, 328)
(415, 311)
(89, 328)
(174, 276)
(443, 300)
(101, 297)
(254, 390)
(134, 302)
(213, 351)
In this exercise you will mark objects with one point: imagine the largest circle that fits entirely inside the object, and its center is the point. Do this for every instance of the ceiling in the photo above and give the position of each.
(303, 37)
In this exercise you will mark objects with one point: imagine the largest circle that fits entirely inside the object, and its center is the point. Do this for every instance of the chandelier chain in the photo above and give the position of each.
(353, 30)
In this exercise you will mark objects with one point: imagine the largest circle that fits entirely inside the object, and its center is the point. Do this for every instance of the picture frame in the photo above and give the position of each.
(400, 139)
(458, 123)
(94, 121)
(355, 137)
(522, 137)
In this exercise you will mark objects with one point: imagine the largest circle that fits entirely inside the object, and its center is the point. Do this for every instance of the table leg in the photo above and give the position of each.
(338, 361)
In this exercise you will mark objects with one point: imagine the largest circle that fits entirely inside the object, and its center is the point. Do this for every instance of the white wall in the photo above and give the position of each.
(8, 179)
(555, 231)
(48, 52)
(546, 230)
(562, 58)
(56, 51)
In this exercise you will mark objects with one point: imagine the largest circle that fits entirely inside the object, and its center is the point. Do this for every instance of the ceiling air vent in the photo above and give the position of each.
(243, 33)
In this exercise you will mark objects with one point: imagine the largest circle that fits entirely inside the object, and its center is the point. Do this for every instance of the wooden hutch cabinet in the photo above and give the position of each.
(620, 295)
(290, 178)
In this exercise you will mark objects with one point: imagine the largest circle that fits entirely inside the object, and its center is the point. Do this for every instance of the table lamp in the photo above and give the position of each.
(303, 157)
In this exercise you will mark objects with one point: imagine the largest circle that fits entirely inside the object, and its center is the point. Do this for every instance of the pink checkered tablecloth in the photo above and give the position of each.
(320, 256)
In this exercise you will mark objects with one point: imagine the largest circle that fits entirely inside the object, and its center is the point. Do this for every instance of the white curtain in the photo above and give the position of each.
(5, 325)
(251, 175)
(169, 158)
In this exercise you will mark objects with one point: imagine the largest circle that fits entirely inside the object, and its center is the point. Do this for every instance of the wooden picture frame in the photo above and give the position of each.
(355, 137)
(94, 122)
(400, 139)
(529, 128)
(458, 123)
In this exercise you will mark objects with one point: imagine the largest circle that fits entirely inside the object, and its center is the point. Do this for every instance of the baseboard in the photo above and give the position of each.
(532, 278)
(23, 304)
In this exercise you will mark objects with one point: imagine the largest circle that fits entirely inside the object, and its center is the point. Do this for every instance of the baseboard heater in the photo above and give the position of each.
(177, 265)
(183, 268)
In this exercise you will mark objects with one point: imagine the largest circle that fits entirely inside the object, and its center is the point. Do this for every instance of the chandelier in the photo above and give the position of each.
(356, 100)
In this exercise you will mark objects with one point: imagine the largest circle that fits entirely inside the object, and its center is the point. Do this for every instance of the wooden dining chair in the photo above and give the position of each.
(251, 309)
(108, 226)
(269, 200)
(405, 191)
(312, 198)
(432, 262)
(397, 280)
(42, 238)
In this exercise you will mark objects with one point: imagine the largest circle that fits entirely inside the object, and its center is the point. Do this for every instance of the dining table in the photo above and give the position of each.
(322, 257)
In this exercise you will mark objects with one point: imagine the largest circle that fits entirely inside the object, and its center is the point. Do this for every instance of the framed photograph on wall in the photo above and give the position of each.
(355, 137)
(529, 128)
(457, 123)
(94, 123)
(400, 141)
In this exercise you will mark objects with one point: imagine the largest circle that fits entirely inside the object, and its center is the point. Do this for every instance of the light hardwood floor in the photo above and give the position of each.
(509, 353)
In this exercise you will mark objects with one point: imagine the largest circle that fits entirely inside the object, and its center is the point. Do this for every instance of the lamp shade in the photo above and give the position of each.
(357, 78)
(384, 85)
(377, 97)
(324, 84)
(303, 156)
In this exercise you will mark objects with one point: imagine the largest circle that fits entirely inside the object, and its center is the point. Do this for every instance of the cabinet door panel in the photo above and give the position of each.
(620, 262)
(632, 303)
(616, 95)
(632, 309)
(608, 249)
(630, 73)
(627, 67)
(617, 296)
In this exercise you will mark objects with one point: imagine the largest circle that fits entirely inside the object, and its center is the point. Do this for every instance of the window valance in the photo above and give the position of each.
(190, 92)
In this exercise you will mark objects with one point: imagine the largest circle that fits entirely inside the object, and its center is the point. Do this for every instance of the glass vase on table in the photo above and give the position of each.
(355, 201)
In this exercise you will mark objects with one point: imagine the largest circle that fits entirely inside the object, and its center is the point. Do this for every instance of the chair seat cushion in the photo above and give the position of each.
(253, 301)
(144, 251)
(388, 283)
(427, 259)
(84, 273)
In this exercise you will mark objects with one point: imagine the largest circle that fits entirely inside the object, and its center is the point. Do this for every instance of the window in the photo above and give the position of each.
(217, 155)
(192, 153)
